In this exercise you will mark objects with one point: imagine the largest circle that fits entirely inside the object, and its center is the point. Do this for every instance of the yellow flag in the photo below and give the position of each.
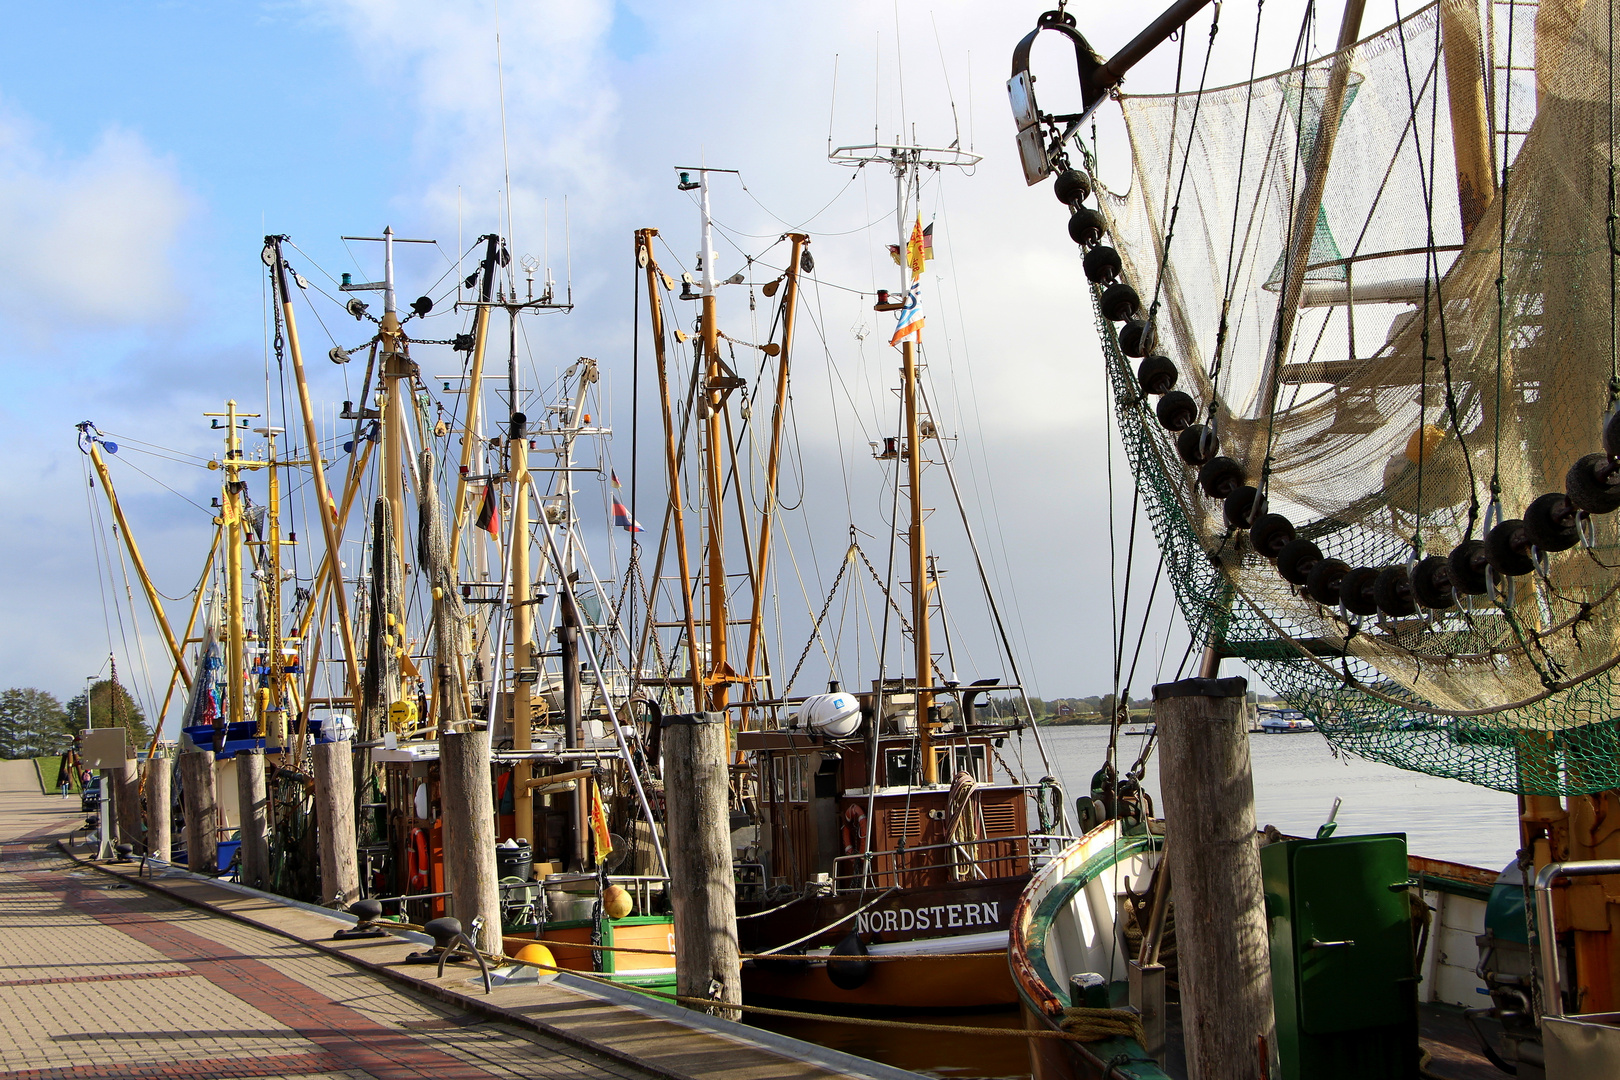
(599, 825)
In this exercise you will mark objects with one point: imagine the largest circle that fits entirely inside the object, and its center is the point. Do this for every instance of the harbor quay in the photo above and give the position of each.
(114, 975)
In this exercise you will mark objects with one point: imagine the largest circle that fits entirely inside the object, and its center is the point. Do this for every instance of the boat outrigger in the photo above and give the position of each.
(1359, 319)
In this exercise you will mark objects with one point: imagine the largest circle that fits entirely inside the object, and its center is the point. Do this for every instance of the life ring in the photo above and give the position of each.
(854, 828)
(416, 862)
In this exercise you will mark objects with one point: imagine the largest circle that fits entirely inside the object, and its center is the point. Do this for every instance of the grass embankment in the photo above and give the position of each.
(48, 767)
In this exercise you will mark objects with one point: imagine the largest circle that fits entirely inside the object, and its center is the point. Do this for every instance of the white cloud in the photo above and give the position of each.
(89, 238)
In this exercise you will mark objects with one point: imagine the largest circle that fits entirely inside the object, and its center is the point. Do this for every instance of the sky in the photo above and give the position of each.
(147, 148)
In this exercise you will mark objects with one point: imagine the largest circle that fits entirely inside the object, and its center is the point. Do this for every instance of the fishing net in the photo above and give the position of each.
(1421, 372)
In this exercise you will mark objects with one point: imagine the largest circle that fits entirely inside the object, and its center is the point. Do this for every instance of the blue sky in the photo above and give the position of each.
(146, 148)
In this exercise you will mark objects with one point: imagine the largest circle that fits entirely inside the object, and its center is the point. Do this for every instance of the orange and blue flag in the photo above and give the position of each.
(911, 319)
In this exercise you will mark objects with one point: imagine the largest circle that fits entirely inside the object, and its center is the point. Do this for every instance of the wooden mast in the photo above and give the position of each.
(395, 373)
(918, 543)
(714, 390)
(317, 468)
(230, 516)
(677, 516)
(135, 557)
(475, 387)
(1309, 206)
(1465, 98)
(525, 670)
(756, 619)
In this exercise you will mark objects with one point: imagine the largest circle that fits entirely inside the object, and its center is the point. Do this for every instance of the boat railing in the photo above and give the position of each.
(960, 860)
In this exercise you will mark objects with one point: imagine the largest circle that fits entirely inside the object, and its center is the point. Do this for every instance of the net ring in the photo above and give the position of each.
(1587, 529)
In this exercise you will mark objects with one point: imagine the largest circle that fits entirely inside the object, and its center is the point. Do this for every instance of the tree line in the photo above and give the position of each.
(35, 723)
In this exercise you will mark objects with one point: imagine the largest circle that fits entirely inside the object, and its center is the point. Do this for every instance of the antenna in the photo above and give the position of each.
(568, 249)
(950, 94)
(832, 104)
(506, 160)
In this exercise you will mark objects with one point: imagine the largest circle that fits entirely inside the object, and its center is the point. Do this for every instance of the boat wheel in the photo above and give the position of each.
(1297, 559)
(1507, 549)
(1392, 591)
(1323, 580)
(1467, 563)
(1242, 507)
(1271, 534)
(1553, 522)
(1157, 374)
(1136, 338)
(1071, 186)
(1102, 265)
(1119, 302)
(1086, 226)
(1197, 444)
(1593, 484)
(1176, 411)
(1356, 590)
(1431, 583)
(1221, 476)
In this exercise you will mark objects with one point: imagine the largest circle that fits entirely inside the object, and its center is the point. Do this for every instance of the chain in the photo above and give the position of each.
(816, 629)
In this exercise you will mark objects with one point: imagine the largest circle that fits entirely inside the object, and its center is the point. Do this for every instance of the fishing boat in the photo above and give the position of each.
(320, 701)
(1358, 318)
(881, 838)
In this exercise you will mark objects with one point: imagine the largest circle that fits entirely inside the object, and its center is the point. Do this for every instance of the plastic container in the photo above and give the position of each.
(514, 862)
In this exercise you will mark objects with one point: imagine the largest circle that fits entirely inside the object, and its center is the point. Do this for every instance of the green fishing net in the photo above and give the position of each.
(1425, 372)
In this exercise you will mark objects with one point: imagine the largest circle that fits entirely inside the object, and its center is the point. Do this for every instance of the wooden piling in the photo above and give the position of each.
(701, 887)
(253, 801)
(469, 834)
(128, 780)
(157, 809)
(202, 810)
(466, 799)
(1208, 792)
(334, 823)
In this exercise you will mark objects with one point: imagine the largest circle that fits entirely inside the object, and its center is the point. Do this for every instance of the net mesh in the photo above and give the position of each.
(1421, 372)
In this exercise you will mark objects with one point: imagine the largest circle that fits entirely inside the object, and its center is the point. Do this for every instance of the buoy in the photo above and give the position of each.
(1424, 441)
(539, 954)
(616, 901)
(849, 974)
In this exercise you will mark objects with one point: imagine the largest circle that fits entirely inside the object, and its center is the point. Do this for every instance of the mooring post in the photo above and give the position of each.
(702, 889)
(202, 809)
(468, 807)
(334, 823)
(253, 801)
(128, 780)
(158, 844)
(1221, 945)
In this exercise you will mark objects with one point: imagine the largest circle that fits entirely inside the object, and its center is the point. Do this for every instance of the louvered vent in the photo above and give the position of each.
(905, 824)
(1000, 820)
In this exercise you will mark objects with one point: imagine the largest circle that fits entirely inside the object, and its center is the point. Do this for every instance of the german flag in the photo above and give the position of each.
(489, 513)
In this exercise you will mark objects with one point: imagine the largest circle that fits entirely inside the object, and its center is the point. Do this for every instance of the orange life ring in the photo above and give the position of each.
(416, 862)
(854, 828)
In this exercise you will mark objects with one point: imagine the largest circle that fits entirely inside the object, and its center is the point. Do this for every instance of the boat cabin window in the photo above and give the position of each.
(798, 787)
(901, 767)
(778, 789)
(951, 760)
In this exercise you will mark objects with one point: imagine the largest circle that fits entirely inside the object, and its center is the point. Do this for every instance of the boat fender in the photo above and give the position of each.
(416, 860)
(854, 828)
(849, 974)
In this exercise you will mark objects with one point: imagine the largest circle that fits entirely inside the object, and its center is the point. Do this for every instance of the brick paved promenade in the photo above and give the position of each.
(101, 979)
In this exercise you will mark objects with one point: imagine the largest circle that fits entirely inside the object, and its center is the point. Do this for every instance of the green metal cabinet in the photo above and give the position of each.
(1342, 969)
